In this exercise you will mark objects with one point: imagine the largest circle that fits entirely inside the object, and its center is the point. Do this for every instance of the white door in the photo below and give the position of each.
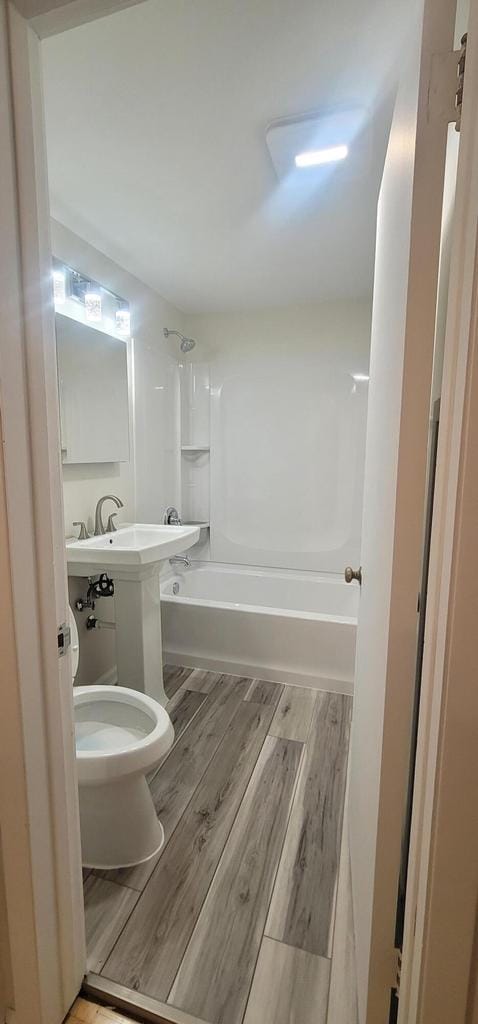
(40, 857)
(404, 307)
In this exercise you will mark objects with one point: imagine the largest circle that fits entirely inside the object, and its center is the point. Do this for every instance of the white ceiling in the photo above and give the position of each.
(156, 123)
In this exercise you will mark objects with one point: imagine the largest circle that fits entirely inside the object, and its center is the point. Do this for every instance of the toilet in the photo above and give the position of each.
(121, 736)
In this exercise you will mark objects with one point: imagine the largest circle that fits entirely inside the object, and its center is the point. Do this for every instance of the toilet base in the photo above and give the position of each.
(119, 826)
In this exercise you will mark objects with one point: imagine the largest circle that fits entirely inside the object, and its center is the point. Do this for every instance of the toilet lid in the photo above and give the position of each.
(75, 646)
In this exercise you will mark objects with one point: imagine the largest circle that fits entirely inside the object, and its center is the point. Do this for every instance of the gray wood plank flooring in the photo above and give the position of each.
(289, 986)
(173, 786)
(203, 681)
(264, 692)
(301, 912)
(107, 908)
(173, 677)
(181, 709)
(294, 713)
(215, 975)
(343, 1008)
(149, 952)
(230, 921)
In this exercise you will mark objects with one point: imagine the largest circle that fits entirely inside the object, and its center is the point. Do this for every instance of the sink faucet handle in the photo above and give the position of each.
(83, 534)
(110, 526)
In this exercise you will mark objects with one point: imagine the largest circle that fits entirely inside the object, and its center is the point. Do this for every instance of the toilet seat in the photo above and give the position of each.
(118, 731)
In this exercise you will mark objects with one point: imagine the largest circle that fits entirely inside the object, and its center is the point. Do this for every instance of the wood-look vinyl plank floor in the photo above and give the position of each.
(302, 907)
(294, 713)
(174, 676)
(252, 848)
(107, 909)
(150, 949)
(264, 692)
(202, 681)
(289, 986)
(215, 975)
(342, 1007)
(174, 785)
(181, 709)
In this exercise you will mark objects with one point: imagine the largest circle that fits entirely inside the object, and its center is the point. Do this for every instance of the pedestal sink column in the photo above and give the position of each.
(138, 635)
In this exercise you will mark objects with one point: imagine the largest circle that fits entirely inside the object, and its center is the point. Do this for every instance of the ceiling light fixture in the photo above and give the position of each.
(360, 376)
(315, 157)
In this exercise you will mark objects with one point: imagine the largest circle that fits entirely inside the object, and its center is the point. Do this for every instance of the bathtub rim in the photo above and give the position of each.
(255, 609)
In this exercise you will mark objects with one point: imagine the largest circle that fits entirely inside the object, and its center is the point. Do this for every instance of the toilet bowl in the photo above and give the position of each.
(121, 736)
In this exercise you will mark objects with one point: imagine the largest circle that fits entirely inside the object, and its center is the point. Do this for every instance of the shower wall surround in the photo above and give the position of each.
(287, 433)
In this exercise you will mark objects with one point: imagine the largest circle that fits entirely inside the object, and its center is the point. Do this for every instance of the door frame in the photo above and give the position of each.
(42, 934)
(41, 860)
(442, 889)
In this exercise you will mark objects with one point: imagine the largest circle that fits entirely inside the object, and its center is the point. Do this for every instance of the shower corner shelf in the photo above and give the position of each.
(195, 448)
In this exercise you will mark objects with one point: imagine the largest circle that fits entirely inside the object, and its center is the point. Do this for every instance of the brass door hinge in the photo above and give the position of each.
(461, 76)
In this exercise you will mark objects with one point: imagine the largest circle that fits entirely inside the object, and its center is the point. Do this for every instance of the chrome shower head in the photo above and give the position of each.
(186, 343)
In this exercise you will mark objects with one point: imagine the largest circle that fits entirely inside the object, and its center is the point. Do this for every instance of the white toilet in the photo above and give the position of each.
(121, 736)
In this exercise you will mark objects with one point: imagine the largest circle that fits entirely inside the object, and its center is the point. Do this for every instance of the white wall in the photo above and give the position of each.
(287, 433)
(150, 480)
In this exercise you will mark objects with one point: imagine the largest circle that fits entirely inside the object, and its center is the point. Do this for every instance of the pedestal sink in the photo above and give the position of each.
(132, 557)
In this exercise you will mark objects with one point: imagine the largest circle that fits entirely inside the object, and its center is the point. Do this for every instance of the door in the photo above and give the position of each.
(40, 857)
(403, 325)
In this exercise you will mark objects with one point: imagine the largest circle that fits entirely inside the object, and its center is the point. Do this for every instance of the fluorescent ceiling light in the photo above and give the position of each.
(360, 376)
(314, 157)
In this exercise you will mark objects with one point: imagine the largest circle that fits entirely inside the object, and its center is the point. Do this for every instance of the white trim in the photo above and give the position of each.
(248, 671)
(463, 279)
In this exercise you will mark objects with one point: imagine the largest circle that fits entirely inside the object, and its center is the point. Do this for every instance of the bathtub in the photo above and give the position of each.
(273, 624)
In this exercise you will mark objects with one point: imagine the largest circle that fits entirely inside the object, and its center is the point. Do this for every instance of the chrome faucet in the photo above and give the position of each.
(172, 517)
(180, 560)
(99, 528)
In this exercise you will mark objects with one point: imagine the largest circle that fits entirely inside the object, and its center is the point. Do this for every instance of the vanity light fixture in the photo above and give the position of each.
(59, 287)
(123, 321)
(93, 306)
(315, 157)
(360, 377)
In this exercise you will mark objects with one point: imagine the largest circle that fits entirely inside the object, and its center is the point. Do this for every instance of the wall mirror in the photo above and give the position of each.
(93, 392)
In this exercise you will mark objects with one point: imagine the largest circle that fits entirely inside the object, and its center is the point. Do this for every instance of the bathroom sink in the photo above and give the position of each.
(133, 548)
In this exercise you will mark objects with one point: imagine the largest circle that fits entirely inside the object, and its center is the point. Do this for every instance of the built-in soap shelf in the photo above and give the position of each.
(194, 444)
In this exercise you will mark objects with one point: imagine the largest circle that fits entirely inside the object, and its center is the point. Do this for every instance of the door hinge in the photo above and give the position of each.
(398, 971)
(461, 77)
(64, 639)
(445, 93)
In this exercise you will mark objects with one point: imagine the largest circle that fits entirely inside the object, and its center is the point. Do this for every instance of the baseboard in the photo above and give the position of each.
(274, 675)
(144, 1007)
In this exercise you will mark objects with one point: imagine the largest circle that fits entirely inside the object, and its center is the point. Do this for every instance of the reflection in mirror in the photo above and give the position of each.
(93, 392)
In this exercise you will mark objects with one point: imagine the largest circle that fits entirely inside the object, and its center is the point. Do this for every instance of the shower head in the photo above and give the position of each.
(186, 343)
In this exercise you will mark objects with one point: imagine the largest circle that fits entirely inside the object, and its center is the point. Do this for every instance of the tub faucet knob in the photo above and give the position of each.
(353, 574)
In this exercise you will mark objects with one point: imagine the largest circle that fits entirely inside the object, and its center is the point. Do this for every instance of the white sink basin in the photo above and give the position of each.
(130, 549)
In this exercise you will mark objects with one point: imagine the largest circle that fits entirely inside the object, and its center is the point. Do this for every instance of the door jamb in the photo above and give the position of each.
(421, 977)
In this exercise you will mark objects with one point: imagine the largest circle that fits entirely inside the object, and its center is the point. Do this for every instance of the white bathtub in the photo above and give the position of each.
(273, 624)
